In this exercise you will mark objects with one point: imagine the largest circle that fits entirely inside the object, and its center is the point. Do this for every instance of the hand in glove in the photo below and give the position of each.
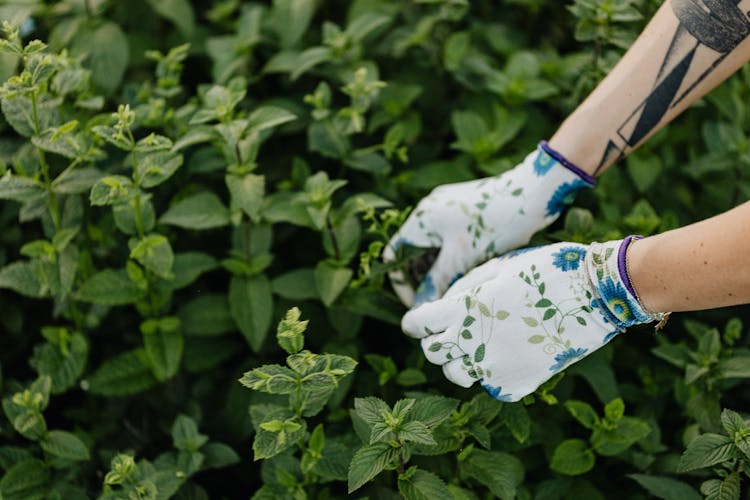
(515, 321)
(473, 221)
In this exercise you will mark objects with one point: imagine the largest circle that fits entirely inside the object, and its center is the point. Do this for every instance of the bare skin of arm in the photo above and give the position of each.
(700, 266)
(688, 48)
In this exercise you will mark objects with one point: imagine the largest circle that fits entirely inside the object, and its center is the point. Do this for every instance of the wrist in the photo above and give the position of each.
(608, 265)
(566, 163)
(646, 289)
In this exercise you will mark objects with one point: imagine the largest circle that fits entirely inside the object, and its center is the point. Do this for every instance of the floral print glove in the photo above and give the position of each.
(473, 221)
(517, 320)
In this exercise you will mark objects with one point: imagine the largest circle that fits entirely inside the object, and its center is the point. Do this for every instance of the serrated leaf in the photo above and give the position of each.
(368, 462)
(273, 379)
(501, 472)
(371, 409)
(706, 450)
(26, 480)
(727, 489)
(127, 373)
(416, 432)
(516, 418)
(666, 488)
(109, 287)
(433, 410)
(418, 484)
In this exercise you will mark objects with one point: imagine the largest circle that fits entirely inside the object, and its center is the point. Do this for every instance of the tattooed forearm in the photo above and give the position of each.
(707, 31)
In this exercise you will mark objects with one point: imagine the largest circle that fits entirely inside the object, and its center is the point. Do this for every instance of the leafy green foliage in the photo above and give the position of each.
(178, 177)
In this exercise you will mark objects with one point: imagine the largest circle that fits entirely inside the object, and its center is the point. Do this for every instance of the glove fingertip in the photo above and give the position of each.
(455, 371)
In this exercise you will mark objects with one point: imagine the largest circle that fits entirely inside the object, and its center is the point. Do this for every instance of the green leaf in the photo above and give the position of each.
(27, 480)
(22, 277)
(536, 339)
(614, 410)
(164, 350)
(416, 432)
(418, 484)
(197, 212)
(188, 266)
(368, 462)
(296, 285)
(273, 379)
(644, 170)
(371, 409)
(410, 377)
(628, 431)
(289, 333)
(268, 443)
(64, 445)
(65, 365)
(111, 190)
(218, 456)
(707, 450)
(247, 193)
(737, 366)
(516, 418)
(155, 254)
(180, 12)
(331, 280)
(109, 288)
(583, 412)
(185, 435)
(206, 316)
(666, 488)
(155, 168)
(106, 49)
(728, 489)
(20, 189)
(290, 19)
(75, 180)
(501, 472)
(267, 117)
(251, 305)
(572, 457)
(125, 374)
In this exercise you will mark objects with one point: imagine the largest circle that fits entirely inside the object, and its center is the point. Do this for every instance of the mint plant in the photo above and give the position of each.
(176, 176)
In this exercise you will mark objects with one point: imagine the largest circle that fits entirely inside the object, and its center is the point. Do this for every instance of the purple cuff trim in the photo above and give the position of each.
(621, 265)
(567, 164)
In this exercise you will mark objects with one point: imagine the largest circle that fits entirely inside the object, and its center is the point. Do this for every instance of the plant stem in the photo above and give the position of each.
(137, 182)
(334, 242)
(52, 199)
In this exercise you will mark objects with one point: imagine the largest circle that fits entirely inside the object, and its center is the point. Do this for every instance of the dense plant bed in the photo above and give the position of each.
(195, 197)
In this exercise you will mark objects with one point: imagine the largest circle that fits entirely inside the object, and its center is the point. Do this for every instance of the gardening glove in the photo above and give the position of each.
(516, 321)
(473, 221)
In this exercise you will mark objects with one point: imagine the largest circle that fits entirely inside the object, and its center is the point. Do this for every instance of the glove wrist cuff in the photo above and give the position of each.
(607, 270)
(587, 178)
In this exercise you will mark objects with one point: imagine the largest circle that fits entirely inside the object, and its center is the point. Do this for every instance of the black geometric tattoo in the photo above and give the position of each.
(718, 25)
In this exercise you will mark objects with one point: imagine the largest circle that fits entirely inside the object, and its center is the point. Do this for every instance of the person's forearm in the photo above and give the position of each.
(688, 48)
(700, 266)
